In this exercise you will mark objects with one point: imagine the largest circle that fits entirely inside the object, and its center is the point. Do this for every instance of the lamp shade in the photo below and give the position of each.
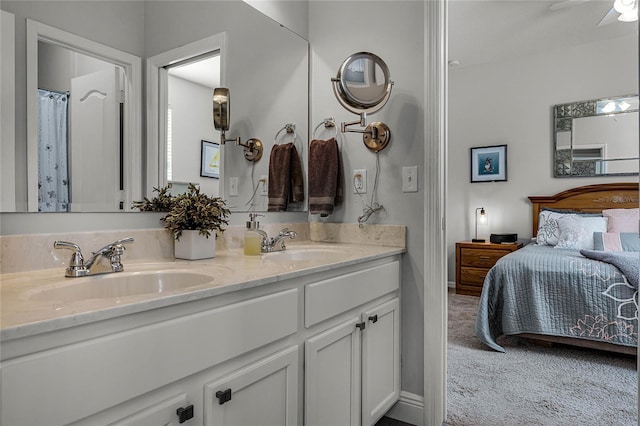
(481, 220)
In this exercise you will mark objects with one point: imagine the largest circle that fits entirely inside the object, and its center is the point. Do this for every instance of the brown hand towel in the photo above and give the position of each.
(325, 177)
(285, 177)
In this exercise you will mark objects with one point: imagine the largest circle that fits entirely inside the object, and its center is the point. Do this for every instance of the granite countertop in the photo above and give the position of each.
(27, 309)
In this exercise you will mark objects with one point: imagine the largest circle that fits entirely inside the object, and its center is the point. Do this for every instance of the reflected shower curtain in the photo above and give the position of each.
(53, 164)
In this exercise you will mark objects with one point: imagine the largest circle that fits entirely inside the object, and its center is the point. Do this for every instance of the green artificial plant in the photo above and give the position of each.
(191, 210)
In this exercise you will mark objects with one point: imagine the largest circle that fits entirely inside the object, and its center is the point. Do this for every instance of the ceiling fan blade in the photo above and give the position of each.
(609, 18)
(566, 3)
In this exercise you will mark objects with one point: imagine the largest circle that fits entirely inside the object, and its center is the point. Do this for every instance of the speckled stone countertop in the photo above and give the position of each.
(27, 308)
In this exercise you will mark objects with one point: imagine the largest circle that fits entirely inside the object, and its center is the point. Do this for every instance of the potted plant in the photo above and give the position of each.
(191, 218)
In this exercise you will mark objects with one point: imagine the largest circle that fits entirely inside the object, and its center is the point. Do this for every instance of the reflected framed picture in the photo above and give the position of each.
(489, 163)
(210, 159)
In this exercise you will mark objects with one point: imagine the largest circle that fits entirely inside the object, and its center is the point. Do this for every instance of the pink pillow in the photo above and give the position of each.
(622, 220)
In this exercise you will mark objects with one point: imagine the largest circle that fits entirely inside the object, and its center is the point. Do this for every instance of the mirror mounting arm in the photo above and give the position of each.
(375, 136)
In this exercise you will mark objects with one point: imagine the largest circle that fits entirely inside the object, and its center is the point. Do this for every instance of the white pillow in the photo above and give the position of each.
(576, 232)
(548, 230)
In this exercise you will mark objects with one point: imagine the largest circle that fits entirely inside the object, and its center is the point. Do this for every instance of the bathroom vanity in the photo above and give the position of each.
(306, 336)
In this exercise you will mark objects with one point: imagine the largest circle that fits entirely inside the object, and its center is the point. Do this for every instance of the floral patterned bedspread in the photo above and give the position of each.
(557, 292)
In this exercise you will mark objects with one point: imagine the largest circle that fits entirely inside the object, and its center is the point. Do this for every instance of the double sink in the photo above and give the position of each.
(163, 280)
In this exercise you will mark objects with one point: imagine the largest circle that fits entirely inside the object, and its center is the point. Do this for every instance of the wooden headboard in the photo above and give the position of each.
(590, 198)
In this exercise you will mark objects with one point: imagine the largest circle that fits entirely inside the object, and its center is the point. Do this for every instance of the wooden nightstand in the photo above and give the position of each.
(473, 261)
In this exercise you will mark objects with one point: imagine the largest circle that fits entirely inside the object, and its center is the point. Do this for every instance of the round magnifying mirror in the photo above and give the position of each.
(221, 108)
(363, 83)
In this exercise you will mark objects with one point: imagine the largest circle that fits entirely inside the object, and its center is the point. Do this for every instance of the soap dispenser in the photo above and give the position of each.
(252, 236)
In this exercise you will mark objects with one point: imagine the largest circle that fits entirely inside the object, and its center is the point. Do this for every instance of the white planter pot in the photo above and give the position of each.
(193, 246)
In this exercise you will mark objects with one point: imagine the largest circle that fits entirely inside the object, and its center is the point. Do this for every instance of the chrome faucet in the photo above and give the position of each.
(79, 268)
(277, 243)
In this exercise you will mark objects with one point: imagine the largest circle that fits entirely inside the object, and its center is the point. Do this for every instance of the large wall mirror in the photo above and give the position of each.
(264, 64)
(597, 137)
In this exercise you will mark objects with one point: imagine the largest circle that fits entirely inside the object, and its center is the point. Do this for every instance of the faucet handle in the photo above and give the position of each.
(123, 241)
(77, 260)
(284, 232)
(76, 266)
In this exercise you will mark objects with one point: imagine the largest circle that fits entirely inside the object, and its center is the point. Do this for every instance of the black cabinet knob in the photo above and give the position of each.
(224, 396)
(184, 413)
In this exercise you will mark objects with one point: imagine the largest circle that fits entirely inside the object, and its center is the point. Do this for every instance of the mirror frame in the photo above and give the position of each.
(563, 116)
(37, 31)
(348, 101)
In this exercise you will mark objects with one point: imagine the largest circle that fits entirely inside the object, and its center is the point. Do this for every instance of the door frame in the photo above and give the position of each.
(37, 31)
(435, 263)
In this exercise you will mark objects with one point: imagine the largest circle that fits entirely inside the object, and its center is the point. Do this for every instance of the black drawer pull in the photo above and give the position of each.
(373, 318)
(224, 396)
(185, 413)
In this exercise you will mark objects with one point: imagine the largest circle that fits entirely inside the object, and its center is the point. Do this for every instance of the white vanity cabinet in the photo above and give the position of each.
(352, 369)
(318, 348)
(262, 394)
(117, 371)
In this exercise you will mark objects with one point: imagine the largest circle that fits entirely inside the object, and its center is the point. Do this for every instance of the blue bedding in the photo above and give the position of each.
(557, 292)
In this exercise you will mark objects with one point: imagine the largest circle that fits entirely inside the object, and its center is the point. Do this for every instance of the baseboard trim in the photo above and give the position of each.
(451, 284)
(408, 409)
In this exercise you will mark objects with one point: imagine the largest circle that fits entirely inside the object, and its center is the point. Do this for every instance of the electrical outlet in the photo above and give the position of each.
(410, 179)
(233, 187)
(359, 181)
(264, 181)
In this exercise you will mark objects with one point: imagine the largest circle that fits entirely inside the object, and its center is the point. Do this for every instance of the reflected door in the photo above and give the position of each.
(95, 142)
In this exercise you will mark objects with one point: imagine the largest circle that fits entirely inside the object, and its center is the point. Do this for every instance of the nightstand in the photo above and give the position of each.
(473, 261)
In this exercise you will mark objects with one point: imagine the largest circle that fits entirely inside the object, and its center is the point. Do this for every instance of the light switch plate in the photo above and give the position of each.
(233, 187)
(410, 179)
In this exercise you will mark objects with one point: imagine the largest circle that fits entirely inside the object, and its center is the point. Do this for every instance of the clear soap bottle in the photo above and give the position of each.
(252, 238)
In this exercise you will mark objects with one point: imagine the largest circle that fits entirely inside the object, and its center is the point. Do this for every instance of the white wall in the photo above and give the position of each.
(191, 116)
(336, 30)
(510, 102)
(292, 14)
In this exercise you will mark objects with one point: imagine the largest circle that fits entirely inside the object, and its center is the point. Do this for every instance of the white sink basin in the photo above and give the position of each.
(120, 284)
(302, 253)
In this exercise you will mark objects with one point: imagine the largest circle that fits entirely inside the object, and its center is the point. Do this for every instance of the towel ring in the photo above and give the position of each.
(327, 123)
(290, 128)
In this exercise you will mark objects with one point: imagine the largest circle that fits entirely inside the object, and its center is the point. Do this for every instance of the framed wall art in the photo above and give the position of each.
(210, 159)
(489, 163)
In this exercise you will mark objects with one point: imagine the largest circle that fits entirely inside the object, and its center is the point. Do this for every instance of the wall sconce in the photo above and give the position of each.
(482, 219)
(221, 116)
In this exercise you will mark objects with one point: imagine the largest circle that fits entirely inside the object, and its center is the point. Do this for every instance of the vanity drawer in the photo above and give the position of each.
(327, 298)
(119, 367)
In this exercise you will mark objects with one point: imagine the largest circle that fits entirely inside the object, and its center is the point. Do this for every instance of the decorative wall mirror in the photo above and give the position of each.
(264, 98)
(597, 137)
(363, 86)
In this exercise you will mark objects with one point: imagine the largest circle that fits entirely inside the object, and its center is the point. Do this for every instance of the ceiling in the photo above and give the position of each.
(205, 72)
(482, 31)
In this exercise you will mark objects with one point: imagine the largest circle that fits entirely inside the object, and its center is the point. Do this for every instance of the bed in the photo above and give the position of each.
(554, 294)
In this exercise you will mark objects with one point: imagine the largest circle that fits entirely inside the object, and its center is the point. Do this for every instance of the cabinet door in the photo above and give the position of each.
(262, 394)
(380, 360)
(161, 414)
(332, 373)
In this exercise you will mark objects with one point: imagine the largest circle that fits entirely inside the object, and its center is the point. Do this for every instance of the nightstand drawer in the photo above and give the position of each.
(473, 276)
(480, 258)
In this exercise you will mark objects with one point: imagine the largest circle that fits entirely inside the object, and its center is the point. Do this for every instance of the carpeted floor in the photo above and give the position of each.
(531, 384)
